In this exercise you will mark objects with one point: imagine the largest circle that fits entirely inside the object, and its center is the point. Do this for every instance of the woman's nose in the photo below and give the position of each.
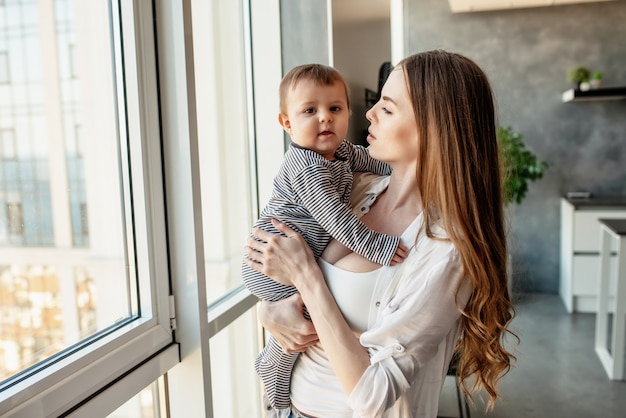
(368, 114)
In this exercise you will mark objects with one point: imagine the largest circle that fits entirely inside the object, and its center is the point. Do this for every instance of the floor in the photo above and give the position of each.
(558, 374)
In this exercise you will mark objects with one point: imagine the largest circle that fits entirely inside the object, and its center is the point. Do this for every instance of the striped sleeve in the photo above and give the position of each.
(360, 159)
(315, 188)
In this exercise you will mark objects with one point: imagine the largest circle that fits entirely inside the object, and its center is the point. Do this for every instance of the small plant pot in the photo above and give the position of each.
(595, 84)
(584, 86)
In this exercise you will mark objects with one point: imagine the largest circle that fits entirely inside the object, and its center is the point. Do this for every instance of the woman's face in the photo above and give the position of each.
(393, 130)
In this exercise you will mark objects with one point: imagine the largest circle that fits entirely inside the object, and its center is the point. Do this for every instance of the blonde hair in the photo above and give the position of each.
(459, 177)
(321, 75)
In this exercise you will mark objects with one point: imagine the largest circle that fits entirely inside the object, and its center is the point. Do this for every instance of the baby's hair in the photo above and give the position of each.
(321, 75)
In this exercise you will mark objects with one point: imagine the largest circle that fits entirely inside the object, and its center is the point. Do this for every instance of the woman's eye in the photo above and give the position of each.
(386, 111)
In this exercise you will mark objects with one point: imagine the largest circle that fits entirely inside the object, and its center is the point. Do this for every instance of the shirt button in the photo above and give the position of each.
(377, 304)
(398, 347)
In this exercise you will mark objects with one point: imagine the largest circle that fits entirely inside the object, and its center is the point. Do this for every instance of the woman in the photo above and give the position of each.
(385, 353)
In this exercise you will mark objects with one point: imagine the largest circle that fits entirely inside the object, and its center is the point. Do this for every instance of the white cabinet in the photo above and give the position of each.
(580, 249)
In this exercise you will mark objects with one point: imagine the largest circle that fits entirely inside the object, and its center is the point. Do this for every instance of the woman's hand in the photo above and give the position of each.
(289, 260)
(284, 319)
(283, 259)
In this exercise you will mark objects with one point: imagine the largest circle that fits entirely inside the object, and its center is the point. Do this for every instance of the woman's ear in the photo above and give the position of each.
(283, 119)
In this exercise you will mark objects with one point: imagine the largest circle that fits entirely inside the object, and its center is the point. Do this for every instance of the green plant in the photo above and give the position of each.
(578, 74)
(520, 165)
(597, 75)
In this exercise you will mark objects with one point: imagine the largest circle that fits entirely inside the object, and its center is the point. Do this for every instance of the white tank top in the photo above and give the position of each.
(352, 292)
(315, 389)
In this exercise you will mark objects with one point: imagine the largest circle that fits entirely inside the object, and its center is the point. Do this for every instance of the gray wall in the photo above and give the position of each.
(304, 36)
(373, 41)
(304, 32)
(526, 53)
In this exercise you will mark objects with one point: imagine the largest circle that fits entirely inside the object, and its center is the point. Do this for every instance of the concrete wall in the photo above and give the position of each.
(304, 36)
(526, 53)
(305, 28)
(359, 51)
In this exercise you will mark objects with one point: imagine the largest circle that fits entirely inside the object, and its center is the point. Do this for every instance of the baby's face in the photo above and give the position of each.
(317, 116)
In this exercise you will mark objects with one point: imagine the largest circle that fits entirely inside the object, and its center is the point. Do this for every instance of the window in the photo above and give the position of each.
(235, 147)
(15, 219)
(45, 182)
(84, 288)
(142, 189)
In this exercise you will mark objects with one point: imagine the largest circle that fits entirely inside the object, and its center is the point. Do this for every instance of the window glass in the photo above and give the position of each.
(223, 140)
(235, 384)
(64, 270)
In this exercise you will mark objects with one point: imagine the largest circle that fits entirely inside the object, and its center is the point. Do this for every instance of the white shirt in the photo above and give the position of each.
(413, 327)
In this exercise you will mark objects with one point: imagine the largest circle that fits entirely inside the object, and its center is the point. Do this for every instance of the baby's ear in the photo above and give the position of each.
(283, 119)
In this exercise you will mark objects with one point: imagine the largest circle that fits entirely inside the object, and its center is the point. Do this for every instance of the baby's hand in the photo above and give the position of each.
(400, 255)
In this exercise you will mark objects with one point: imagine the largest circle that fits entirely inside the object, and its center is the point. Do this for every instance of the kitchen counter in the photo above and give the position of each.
(598, 202)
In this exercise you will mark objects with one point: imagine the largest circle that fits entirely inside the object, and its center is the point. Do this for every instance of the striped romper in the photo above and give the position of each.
(312, 195)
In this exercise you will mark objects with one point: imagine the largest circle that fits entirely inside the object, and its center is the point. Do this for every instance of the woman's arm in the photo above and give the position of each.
(285, 321)
(290, 261)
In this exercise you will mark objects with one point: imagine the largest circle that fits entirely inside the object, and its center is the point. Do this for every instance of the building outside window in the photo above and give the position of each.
(43, 188)
(4, 67)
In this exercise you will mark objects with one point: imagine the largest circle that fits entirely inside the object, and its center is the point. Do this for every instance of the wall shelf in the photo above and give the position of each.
(606, 93)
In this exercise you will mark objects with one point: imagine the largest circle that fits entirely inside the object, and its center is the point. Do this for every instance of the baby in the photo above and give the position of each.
(311, 194)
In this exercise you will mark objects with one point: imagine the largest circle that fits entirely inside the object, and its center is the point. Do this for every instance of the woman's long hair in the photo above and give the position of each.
(460, 179)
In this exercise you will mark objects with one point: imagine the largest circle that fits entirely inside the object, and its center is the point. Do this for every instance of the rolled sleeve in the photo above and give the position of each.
(383, 382)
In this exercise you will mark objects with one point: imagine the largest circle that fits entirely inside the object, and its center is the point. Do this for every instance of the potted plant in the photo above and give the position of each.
(584, 85)
(578, 75)
(596, 80)
(520, 165)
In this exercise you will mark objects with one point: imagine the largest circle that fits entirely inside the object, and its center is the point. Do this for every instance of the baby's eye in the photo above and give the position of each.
(309, 110)
(335, 108)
